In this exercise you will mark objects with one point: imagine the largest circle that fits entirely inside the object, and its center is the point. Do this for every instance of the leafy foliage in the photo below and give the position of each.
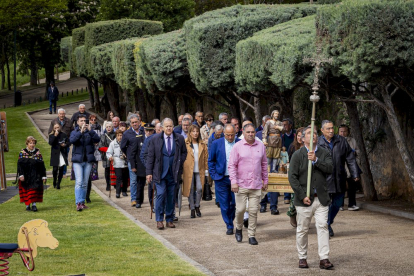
(212, 37)
(368, 38)
(78, 37)
(123, 63)
(100, 58)
(144, 77)
(274, 56)
(164, 58)
(66, 50)
(323, 2)
(79, 61)
(172, 13)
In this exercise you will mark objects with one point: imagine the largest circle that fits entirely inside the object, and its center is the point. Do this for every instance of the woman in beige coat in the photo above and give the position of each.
(195, 168)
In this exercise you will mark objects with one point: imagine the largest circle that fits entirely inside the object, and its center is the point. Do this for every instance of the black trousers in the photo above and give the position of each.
(122, 175)
(88, 189)
(352, 187)
(57, 175)
(140, 189)
(108, 177)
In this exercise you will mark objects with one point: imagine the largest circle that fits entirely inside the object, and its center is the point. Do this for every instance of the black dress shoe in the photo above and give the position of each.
(303, 263)
(117, 196)
(34, 208)
(28, 208)
(192, 214)
(197, 209)
(275, 212)
(124, 194)
(239, 235)
(218, 204)
(108, 188)
(50, 112)
(138, 205)
(175, 219)
(331, 232)
(88, 200)
(263, 209)
(229, 232)
(253, 241)
(246, 223)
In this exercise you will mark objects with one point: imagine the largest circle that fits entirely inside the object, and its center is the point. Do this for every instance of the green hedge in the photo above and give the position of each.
(108, 31)
(79, 61)
(123, 63)
(144, 76)
(66, 50)
(323, 2)
(78, 37)
(165, 60)
(274, 57)
(212, 37)
(100, 61)
(368, 38)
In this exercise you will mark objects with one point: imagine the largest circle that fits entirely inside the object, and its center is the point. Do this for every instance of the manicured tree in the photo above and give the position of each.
(162, 67)
(66, 51)
(212, 37)
(372, 42)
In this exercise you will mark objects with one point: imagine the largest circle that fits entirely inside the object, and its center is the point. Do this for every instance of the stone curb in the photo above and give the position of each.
(160, 238)
(388, 211)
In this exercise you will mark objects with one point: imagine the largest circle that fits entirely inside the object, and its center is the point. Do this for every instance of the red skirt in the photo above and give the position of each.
(30, 195)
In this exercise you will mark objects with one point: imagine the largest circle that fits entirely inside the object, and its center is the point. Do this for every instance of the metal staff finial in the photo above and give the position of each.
(314, 98)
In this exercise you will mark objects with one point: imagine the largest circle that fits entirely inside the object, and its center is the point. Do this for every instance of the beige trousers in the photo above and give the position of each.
(304, 217)
(253, 196)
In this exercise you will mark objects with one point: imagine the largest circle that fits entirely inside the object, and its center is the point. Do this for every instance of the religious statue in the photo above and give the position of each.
(272, 139)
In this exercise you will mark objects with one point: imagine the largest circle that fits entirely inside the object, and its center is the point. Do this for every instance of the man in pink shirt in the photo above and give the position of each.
(248, 175)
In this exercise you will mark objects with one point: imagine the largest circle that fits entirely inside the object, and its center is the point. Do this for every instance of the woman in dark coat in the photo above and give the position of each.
(59, 154)
(31, 171)
(106, 140)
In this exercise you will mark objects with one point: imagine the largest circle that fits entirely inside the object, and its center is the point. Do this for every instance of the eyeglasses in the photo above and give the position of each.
(92, 120)
(209, 120)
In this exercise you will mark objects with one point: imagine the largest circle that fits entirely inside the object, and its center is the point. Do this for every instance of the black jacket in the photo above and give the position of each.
(341, 153)
(155, 156)
(75, 117)
(135, 160)
(57, 149)
(67, 127)
(298, 176)
(128, 140)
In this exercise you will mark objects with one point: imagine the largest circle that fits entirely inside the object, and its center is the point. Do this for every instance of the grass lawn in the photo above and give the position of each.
(97, 241)
(19, 127)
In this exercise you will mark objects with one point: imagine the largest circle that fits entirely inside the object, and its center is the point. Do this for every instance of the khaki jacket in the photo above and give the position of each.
(188, 169)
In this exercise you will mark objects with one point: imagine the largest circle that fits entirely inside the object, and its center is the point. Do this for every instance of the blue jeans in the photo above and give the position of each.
(273, 198)
(52, 102)
(82, 172)
(165, 198)
(337, 200)
(133, 185)
(227, 201)
(288, 196)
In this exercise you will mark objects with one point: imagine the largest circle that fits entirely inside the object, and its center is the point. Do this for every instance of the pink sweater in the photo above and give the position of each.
(248, 165)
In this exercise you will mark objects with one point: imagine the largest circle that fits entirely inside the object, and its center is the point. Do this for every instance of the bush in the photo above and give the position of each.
(274, 57)
(328, 1)
(79, 61)
(165, 60)
(212, 37)
(100, 58)
(368, 38)
(123, 63)
(108, 31)
(66, 50)
(78, 37)
(144, 77)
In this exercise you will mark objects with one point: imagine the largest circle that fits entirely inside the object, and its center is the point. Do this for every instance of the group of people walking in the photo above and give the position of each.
(235, 155)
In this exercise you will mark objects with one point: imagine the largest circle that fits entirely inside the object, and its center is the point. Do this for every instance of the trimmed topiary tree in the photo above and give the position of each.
(66, 50)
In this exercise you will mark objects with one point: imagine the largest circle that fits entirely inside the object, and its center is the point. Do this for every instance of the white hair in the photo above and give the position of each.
(223, 114)
(218, 127)
(61, 109)
(81, 105)
(165, 120)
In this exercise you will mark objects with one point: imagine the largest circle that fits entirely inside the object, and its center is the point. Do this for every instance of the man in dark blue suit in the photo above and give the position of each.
(166, 155)
(218, 159)
(53, 96)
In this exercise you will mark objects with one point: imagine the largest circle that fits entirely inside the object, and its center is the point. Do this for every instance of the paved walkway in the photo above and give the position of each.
(69, 85)
(62, 77)
(365, 243)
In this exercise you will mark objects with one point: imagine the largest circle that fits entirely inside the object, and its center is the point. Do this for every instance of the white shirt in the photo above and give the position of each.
(195, 151)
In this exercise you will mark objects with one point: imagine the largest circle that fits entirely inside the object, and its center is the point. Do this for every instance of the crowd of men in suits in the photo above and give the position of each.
(155, 152)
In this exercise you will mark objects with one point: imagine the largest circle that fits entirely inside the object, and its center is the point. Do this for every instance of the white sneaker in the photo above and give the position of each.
(341, 209)
(353, 208)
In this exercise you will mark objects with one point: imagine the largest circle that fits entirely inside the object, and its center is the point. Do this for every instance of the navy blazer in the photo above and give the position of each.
(128, 140)
(178, 129)
(52, 96)
(217, 161)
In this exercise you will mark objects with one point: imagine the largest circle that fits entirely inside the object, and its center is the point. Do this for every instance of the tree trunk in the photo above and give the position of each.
(57, 72)
(8, 72)
(367, 180)
(257, 110)
(33, 75)
(183, 106)
(199, 104)
(173, 104)
(90, 91)
(398, 134)
(142, 101)
(113, 96)
(157, 106)
(127, 100)
(95, 88)
(3, 76)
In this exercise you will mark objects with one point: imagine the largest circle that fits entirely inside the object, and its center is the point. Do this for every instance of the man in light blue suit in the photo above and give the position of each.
(219, 155)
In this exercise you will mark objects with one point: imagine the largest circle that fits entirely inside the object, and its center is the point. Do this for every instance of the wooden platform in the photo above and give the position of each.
(279, 183)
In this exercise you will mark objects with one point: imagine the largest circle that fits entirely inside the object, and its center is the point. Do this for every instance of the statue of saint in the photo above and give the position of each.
(272, 139)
